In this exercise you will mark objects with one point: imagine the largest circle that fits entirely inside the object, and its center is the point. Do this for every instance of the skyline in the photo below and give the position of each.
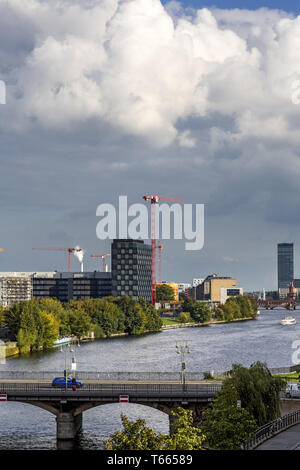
(135, 98)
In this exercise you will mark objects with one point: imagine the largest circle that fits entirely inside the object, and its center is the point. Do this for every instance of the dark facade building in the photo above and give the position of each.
(67, 286)
(131, 269)
(285, 267)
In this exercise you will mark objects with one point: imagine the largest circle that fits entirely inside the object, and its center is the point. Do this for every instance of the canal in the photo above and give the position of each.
(215, 347)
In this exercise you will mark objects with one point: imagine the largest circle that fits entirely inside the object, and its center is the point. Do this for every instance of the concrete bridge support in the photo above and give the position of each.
(68, 425)
(67, 428)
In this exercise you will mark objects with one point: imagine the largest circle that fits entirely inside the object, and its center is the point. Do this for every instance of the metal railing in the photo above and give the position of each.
(106, 376)
(271, 429)
(129, 376)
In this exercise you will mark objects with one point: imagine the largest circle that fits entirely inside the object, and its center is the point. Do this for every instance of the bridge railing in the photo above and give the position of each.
(112, 376)
(114, 389)
(271, 429)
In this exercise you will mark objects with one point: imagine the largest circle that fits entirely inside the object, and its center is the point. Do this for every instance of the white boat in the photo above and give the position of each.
(288, 321)
(258, 312)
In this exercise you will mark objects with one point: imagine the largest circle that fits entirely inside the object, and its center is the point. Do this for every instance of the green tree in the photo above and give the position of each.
(184, 317)
(164, 292)
(226, 426)
(185, 436)
(136, 435)
(258, 391)
(2, 317)
(80, 322)
(135, 318)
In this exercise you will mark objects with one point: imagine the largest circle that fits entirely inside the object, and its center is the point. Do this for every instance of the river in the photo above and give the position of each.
(214, 347)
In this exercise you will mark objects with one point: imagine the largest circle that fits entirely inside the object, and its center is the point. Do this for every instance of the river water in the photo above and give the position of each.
(215, 347)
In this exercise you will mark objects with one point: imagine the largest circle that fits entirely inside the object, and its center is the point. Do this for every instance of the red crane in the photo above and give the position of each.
(159, 248)
(69, 250)
(103, 256)
(155, 200)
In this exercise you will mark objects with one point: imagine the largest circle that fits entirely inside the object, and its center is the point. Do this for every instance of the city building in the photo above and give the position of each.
(14, 287)
(226, 292)
(183, 287)
(66, 286)
(210, 289)
(285, 267)
(197, 281)
(131, 269)
(17, 287)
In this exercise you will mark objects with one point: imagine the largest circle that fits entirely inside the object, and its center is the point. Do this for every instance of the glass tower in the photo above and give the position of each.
(285, 265)
(131, 269)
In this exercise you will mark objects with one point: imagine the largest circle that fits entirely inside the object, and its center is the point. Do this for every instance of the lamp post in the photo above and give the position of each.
(64, 349)
(182, 349)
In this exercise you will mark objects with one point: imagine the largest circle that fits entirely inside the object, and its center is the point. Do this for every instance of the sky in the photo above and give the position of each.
(191, 100)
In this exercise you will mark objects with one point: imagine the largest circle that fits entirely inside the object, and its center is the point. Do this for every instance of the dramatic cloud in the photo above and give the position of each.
(109, 97)
(134, 65)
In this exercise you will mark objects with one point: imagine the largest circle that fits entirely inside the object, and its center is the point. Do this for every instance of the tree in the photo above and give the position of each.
(184, 317)
(2, 317)
(165, 292)
(258, 391)
(135, 318)
(136, 435)
(185, 435)
(226, 426)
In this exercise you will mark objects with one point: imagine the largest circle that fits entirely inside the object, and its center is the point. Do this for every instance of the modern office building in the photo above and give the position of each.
(226, 292)
(131, 269)
(197, 281)
(285, 267)
(16, 287)
(66, 286)
(183, 287)
(210, 289)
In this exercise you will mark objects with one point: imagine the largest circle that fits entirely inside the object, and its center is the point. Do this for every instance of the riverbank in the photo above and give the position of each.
(211, 322)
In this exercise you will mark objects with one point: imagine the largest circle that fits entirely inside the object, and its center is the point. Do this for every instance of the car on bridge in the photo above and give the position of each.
(60, 382)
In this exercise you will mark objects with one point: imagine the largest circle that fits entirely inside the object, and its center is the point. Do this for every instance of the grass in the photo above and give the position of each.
(170, 321)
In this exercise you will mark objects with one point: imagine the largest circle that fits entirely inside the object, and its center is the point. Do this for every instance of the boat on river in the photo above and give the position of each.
(288, 321)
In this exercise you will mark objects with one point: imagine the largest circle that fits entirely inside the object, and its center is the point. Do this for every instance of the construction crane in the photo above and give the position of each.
(159, 247)
(155, 200)
(102, 256)
(69, 250)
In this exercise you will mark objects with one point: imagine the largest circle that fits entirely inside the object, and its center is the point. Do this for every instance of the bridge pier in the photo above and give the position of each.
(68, 425)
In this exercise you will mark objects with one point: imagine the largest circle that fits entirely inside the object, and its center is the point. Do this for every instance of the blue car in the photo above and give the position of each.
(61, 382)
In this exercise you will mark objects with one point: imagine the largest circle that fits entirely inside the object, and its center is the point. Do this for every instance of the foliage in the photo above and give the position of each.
(199, 311)
(184, 317)
(236, 307)
(226, 426)
(2, 317)
(185, 435)
(136, 435)
(165, 292)
(36, 324)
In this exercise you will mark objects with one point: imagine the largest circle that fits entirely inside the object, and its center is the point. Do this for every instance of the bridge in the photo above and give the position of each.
(68, 405)
(289, 304)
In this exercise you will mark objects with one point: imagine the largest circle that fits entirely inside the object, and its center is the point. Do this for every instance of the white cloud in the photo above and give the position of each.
(130, 64)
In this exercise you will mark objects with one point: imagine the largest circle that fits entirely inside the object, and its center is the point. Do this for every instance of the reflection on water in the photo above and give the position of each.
(24, 426)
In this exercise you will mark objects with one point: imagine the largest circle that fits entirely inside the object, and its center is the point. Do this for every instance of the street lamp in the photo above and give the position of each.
(182, 349)
(64, 349)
